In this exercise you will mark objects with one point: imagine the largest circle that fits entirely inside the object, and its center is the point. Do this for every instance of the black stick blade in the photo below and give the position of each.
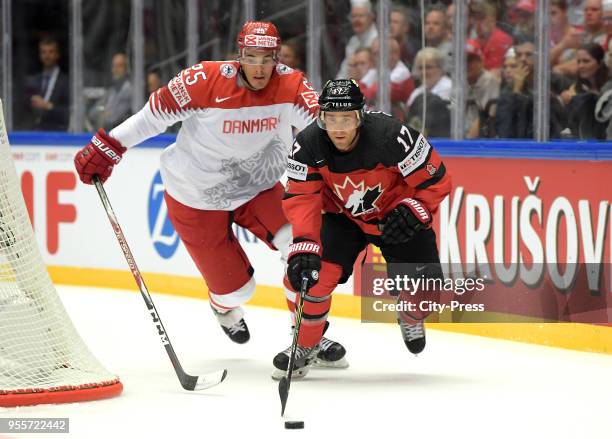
(283, 391)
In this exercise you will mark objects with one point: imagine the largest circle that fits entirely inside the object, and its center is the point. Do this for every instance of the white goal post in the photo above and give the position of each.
(42, 357)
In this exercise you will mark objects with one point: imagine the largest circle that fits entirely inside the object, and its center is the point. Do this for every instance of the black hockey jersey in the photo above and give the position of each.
(390, 162)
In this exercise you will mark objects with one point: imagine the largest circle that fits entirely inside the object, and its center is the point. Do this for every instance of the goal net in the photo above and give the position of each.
(42, 357)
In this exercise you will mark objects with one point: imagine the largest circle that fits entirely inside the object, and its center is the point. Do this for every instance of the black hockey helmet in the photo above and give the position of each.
(341, 95)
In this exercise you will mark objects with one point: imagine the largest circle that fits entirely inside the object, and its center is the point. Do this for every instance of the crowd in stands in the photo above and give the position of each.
(501, 56)
(500, 69)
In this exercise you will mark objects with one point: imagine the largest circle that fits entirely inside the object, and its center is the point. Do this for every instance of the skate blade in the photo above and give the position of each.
(277, 374)
(338, 364)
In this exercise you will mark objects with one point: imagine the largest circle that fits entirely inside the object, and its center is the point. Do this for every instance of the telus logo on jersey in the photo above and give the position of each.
(250, 126)
(164, 237)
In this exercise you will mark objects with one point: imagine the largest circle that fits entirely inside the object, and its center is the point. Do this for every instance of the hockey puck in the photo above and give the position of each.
(294, 425)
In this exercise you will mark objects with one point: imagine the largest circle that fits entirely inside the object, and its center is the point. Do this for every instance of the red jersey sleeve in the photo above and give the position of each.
(422, 168)
(172, 103)
(306, 104)
(185, 92)
(303, 202)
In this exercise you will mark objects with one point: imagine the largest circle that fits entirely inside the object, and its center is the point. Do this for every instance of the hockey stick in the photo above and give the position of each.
(285, 382)
(189, 382)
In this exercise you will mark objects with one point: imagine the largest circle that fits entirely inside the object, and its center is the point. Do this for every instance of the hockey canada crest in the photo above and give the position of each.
(431, 169)
(228, 70)
(358, 198)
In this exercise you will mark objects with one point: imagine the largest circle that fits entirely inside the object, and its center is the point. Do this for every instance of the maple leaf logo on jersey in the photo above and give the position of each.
(357, 198)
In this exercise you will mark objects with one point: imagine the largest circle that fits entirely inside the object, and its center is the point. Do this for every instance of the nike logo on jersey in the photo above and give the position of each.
(218, 100)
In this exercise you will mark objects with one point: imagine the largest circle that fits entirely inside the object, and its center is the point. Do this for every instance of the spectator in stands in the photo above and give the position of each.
(581, 97)
(450, 19)
(48, 92)
(575, 12)
(436, 35)
(399, 28)
(507, 78)
(607, 21)
(603, 108)
(517, 104)
(428, 105)
(154, 81)
(362, 22)
(565, 39)
(483, 87)
(362, 67)
(429, 69)
(508, 18)
(493, 41)
(292, 54)
(116, 105)
(594, 31)
(593, 22)
(402, 83)
(524, 12)
(592, 72)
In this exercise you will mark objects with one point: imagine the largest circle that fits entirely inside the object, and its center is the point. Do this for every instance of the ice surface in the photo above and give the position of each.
(460, 386)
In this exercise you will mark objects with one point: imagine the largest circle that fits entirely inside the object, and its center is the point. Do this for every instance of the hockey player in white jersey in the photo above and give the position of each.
(237, 118)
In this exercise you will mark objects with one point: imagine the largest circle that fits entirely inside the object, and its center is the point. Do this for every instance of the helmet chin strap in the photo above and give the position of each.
(246, 81)
(354, 140)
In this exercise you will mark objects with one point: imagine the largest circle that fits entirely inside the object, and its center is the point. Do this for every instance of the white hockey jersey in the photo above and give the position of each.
(233, 142)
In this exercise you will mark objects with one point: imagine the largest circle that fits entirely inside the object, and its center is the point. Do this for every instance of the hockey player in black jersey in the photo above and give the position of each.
(355, 178)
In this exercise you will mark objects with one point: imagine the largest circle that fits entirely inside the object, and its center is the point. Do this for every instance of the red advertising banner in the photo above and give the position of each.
(536, 232)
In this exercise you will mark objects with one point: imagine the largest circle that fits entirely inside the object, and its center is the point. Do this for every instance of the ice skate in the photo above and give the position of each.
(413, 335)
(303, 361)
(330, 354)
(233, 324)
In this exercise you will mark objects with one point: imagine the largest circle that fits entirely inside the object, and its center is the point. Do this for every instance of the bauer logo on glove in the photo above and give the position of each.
(98, 157)
(106, 149)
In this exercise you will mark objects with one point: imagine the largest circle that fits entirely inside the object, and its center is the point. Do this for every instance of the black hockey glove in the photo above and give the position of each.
(304, 259)
(400, 225)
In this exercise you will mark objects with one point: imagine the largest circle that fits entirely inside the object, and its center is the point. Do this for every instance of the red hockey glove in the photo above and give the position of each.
(304, 259)
(400, 225)
(98, 157)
